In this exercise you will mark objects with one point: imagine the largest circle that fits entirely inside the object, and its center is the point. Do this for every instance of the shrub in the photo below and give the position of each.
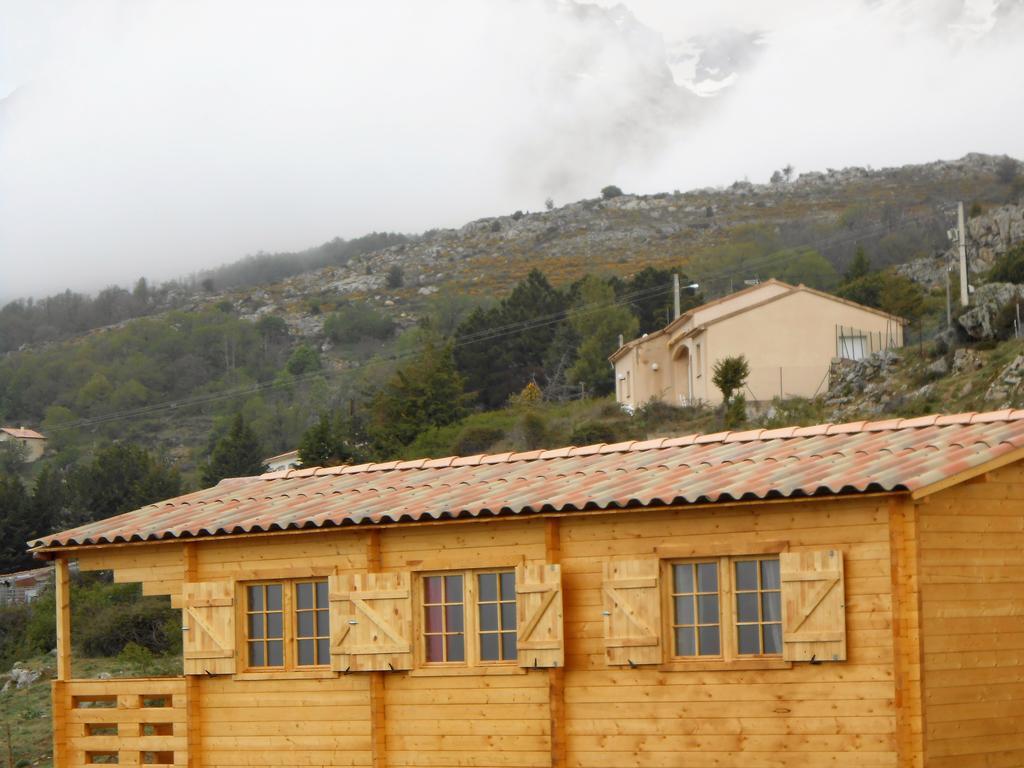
(395, 277)
(353, 322)
(593, 432)
(146, 622)
(1009, 267)
(736, 412)
(531, 431)
(475, 439)
(1006, 170)
(611, 191)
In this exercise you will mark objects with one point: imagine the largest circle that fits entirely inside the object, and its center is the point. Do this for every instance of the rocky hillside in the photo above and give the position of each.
(716, 235)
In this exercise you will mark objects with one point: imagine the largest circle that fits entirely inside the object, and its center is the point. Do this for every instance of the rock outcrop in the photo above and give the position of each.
(987, 302)
(988, 236)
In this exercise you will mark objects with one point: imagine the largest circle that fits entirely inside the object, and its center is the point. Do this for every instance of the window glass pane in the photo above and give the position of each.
(273, 597)
(433, 619)
(508, 585)
(685, 642)
(707, 577)
(323, 651)
(682, 577)
(746, 606)
(323, 623)
(256, 625)
(255, 598)
(274, 625)
(432, 589)
(488, 587)
(771, 606)
(508, 645)
(453, 618)
(435, 648)
(453, 589)
(770, 574)
(773, 638)
(746, 574)
(306, 657)
(304, 596)
(684, 610)
(747, 637)
(256, 655)
(489, 647)
(304, 625)
(508, 615)
(321, 594)
(707, 609)
(456, 647)
(489, 617)
(709, 641)
(275, 653)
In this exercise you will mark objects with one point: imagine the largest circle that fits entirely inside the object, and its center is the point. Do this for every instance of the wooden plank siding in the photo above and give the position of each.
(972, 603)
(932, 593)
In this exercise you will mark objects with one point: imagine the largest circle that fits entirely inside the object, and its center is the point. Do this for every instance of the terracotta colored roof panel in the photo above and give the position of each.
(890, 455)
(22, 432)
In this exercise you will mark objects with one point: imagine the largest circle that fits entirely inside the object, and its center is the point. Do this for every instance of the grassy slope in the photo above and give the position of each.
(27, 711)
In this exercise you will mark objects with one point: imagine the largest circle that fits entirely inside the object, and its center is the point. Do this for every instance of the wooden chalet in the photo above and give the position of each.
(836, 595)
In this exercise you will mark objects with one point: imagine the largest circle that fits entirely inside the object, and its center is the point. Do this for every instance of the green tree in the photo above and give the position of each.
(499, 350)
(611, 191)
(16, 524)
(303, 360)
(649, 293)
(598, 321)
(859, 267)
(427, 392)
(902, 297)
(331, 441)
(730, 374)
(237, 454)
(120, 478)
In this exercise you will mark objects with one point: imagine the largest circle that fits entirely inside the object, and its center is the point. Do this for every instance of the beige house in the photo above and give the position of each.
(34, 442)
(790, 335)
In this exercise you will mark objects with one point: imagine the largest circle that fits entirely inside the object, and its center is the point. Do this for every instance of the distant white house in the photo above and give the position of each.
(288, 460)
(34, 442)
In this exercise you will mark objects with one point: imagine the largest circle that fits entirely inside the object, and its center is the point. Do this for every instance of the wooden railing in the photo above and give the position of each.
(138, 721)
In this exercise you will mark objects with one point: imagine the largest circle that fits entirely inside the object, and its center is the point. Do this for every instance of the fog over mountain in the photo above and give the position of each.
(159, 138)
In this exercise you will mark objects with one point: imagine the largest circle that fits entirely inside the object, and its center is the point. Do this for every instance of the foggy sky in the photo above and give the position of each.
(156, 138)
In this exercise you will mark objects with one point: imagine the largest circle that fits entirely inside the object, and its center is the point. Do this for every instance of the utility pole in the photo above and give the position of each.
(949, 300)
(675, 295)
(961, 238)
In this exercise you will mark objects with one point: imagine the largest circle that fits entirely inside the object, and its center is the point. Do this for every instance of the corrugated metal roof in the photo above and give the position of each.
(827, 459)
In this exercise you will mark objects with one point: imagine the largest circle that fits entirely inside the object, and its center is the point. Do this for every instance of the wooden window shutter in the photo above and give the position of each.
(813, 606)
(539, 615)
(632, 611)
(371, 622)
(209, 627)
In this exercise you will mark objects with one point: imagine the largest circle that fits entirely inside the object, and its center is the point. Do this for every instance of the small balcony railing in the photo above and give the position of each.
(139, 721)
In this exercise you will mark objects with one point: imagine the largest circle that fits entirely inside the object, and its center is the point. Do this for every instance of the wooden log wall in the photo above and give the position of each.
(972, 601)
(587, 714)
